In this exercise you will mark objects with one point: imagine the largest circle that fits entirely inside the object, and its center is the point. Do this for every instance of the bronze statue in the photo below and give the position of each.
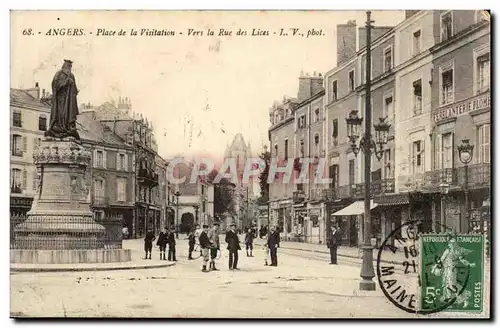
(64, 104)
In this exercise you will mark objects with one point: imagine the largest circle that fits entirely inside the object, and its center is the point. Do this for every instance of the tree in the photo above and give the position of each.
(223, 195)
(264, 186)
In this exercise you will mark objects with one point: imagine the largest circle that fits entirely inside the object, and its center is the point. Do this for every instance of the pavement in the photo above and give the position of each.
(303, 285)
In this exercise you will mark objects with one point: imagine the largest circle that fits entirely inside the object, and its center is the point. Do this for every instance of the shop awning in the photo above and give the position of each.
(356, 208)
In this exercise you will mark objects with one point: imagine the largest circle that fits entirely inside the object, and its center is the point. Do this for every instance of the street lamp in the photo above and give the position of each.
(177, 194)
(465, 153)
(444, 188)
(196, 207)
(367, 144)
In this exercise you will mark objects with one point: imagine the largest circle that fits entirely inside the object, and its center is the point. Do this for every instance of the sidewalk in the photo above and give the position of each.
(137, 262)
(343, 251)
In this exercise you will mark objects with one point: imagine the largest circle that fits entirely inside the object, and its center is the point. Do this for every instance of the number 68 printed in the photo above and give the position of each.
(430, 294)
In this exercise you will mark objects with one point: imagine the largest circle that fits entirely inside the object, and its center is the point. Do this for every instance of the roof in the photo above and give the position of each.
(238, 143)
(23, 97)
(91, 129)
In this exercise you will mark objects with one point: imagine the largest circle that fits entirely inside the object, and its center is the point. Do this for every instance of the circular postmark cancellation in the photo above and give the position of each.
(426, 280)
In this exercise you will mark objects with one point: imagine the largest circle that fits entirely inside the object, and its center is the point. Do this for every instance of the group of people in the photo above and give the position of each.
(207, 241)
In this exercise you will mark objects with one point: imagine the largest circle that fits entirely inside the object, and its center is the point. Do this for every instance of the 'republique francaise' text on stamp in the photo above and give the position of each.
(452, 272)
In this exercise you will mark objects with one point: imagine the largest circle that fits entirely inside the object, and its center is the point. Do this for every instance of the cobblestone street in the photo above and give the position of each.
(303, 285)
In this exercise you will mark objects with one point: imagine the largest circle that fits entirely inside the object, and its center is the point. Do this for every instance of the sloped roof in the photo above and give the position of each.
(238, 143)
(91, 129)
(22, 96)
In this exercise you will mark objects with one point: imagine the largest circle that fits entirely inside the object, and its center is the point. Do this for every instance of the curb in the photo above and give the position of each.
(54, 269)
(338, 254)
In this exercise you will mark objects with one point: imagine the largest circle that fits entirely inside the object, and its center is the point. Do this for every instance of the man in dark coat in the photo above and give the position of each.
(205, 247)
(333, 243)
(171, 245)
(148, 243)
(233, 245)
(162, 243)
(64, 104)
(191, 243)
(249, 242)
(273, 242)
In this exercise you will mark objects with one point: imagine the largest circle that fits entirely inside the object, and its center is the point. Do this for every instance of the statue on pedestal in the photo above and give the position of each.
(64, 104)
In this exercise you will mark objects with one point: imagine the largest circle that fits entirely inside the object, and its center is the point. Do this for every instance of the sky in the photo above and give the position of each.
(198, 91)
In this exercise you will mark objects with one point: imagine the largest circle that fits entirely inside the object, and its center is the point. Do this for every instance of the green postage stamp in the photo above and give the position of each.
(452, 272)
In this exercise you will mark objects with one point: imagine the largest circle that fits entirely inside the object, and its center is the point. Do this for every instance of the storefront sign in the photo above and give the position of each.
(466, 106)
(21, 202)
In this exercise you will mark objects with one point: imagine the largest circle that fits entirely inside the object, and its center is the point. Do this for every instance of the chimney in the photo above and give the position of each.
(316, 84)
(43, 93)
(304, 87)
(409, 13)
(34, 92)
(346, 41)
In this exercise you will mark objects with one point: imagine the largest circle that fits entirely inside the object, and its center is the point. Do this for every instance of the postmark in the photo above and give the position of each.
(401, 280)
(452, 272)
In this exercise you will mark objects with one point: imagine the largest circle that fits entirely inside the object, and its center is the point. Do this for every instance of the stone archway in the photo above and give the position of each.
(187, 222)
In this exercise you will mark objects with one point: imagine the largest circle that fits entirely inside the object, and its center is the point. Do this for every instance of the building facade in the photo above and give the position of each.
(30, 116)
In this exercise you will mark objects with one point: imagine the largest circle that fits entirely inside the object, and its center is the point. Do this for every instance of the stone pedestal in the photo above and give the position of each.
(60, 218)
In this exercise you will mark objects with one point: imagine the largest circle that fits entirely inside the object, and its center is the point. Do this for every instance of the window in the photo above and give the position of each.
(99, 159)
(388, 172)
(16, 181)
(17, 145)
(417, 97)
(417, 42)
(362, 69)
(302, 122)
(17, 119)
(334, 176)
(483, 72)
(418, 157)
(447, 150)
(335, 132)
(447, 87)
(446, 26)
(387, 59)
(121, 162)
(352, 171)
(121, 188)
(335, 90)
(389, 109)
(351, 80)
(484, 143)
(316, 115)
(276, 150)
(301, 148)
(42, 123)
(36, 180)
(316, 145)
(286, 149)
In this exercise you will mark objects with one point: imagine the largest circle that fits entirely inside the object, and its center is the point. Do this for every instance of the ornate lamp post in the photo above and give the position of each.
(196, 208)
(465, 152)
(177, 194)
(367, 144)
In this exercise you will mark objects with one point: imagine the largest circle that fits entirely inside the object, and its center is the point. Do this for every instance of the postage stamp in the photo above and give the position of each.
(452, 272)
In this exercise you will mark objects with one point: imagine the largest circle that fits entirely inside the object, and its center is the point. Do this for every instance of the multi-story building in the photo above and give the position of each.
(30, 117)
(281, 136)
(137, 132)
(459, 82)
(308, 212)
(160, 198)
(111, 176)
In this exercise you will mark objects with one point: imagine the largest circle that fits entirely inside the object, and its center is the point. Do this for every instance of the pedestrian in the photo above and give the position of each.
(148, 243)
(197, 234)
(191, 243)
(249, 242)
(162, 243)
(171, 245)
(273, 242)
(233, 245)
(204, 243)
(213, 236)
(333, 243)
